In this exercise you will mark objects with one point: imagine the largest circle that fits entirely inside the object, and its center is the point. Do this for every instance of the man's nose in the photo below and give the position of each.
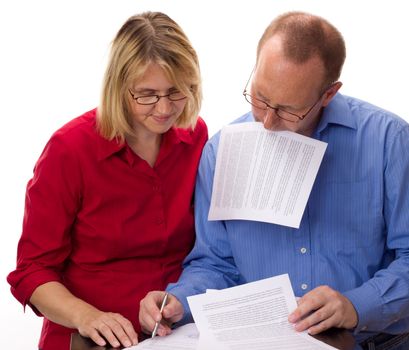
(270, 118)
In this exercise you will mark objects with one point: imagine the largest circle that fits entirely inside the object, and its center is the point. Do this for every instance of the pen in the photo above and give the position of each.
(165, 299)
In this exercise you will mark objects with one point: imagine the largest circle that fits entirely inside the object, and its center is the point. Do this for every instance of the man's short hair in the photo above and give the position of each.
(304, 36)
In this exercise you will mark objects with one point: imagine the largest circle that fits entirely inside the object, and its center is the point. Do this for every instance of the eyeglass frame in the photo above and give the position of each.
(277, 109)
(158, 97)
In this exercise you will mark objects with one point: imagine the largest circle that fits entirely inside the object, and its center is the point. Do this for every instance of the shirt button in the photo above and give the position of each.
(304, 286)
(303, 250)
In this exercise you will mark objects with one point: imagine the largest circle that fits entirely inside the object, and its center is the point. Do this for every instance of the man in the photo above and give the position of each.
(349, 259)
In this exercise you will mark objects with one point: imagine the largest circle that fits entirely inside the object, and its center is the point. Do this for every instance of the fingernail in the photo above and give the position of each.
(127, 343)
(291, 318)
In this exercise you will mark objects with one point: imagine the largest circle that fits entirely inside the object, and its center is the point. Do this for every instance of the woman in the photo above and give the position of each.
(108, 213)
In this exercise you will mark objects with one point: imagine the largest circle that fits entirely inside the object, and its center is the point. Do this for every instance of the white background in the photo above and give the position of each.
(53, 56)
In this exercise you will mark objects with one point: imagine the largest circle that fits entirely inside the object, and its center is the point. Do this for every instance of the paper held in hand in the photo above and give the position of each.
(264, 175)
(247, 317)
(250, 316)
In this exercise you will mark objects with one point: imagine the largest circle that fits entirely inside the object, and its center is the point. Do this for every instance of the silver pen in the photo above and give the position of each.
(165, 299)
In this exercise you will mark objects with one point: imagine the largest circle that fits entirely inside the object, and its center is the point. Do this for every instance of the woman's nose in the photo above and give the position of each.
(164, 105)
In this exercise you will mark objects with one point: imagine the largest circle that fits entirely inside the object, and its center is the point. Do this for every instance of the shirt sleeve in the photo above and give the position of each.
(210, 264)
(51, 203)
(384, 300)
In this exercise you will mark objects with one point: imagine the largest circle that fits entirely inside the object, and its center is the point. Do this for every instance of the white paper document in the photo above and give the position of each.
(249, 317)
(264, 175)
(182, 338)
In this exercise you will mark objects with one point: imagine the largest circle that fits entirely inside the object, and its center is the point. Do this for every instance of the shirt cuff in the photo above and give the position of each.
(178, 291)
(368, 306)
(26, 287)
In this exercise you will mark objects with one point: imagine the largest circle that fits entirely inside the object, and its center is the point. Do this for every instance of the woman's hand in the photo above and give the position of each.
(115, 328)
(57, 304)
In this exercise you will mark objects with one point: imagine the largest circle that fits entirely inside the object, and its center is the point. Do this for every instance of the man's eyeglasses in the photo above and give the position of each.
(281, 113)
(152, 99)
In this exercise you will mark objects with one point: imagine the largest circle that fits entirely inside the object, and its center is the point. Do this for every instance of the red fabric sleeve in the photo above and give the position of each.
(52, 200)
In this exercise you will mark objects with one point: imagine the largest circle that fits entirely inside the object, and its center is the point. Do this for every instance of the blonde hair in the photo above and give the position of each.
(150, 37)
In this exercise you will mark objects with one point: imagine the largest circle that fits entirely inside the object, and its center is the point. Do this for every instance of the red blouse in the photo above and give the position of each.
(104, 223)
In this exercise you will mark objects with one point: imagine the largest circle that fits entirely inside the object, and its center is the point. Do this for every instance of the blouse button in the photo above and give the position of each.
(304, 286)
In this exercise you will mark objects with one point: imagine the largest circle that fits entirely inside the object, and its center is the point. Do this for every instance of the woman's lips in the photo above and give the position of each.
(161, 119)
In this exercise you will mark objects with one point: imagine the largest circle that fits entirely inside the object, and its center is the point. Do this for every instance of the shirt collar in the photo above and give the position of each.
(178, 135)
(337, 112)
(106, 148)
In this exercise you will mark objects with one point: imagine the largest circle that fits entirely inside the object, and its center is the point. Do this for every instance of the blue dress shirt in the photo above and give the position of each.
(354, 233)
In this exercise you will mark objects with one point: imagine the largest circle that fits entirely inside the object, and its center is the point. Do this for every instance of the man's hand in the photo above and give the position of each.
(321, 309)
(149, 312)
(115, 328)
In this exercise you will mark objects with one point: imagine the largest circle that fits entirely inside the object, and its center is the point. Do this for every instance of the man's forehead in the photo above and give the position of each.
(274, 65)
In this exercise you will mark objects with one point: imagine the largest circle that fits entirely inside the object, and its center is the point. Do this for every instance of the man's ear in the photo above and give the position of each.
(330, 93)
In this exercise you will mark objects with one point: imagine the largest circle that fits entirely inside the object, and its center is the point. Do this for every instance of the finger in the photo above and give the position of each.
(173, 311)
(150, 311)
(310, 302)
(124, 331)
(322, 326)
(147, 312)
(166, 323)
(107, 333)
(162, 332)
(151, 304)
(313, 319)
(95, 336)
(164, 328)
(147, 325)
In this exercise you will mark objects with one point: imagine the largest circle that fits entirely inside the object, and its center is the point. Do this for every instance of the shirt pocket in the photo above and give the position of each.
(349, 214)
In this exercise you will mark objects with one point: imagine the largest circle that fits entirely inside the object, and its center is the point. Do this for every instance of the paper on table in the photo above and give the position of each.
(264, 175)
(182, 338)
(250, 316)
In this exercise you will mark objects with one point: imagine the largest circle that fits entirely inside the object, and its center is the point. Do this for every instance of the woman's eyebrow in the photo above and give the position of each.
(144, 90)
